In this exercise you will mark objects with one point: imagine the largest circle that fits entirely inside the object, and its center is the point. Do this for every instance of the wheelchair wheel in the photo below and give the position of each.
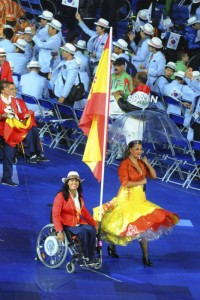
(51, 251)
(70, 267)
(124, 10)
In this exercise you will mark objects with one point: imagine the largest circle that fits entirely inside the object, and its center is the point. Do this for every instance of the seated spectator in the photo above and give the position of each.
(33, 144)
(33, 84)
(5, 73)
(70, 213)
(162, 80)
(181, 63)
(182, 93)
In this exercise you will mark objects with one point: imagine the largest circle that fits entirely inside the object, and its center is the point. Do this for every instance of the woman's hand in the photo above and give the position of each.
(78, 17)
(143, 181)
(145, 160)
(60, 236)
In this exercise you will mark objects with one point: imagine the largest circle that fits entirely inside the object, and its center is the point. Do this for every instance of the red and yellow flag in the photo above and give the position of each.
(94, 121)
(15, 130)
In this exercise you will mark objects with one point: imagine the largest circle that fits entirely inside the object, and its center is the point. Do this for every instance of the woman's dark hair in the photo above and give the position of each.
(131, 145)
(3, 85)
(65, 190)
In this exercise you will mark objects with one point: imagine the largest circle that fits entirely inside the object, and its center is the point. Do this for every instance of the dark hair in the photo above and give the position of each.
(181, 54)
(8, 32)
(142, 76)
(66, 193)
(3, 85)
(131, 145)
(119, 62)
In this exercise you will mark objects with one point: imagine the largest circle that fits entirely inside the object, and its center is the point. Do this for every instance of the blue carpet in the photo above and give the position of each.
(24, 211)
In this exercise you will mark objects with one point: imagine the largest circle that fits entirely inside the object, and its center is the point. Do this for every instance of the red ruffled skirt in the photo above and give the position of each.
(131, 216)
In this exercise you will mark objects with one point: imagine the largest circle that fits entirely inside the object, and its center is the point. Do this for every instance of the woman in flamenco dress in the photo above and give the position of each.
(130, 216)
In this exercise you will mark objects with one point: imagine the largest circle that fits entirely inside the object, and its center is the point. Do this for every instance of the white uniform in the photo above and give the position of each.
(45, 48)
(19, 61)
(34, 85)
(63, 77)
(156, 67)
(7, 45)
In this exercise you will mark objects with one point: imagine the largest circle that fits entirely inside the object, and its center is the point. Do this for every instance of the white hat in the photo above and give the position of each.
(147, 28)
(8, 26)
(11, 65)
(33, 64)
(2, 52)
(192, 20)
(81, 44)
(196, 74)
(155, 43)
(28, 30)
(102, 22)
(46, 15)
(114, 56)
(195, 1)
(143, 14)
(167, 23)
(122, 44)
(69, 48)
(21, 44)
(55, 24)
(179, 74)
(171, 65)
(72, 175)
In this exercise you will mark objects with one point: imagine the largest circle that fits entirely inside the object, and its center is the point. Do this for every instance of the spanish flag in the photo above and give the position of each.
(15, 130)
(94, 120)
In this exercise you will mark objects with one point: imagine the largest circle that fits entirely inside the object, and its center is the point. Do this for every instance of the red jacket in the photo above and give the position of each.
(2, 107)
(23, 109)
(65, 213)
(6, 73)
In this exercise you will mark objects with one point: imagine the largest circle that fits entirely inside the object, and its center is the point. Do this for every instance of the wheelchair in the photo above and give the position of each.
(52, 252)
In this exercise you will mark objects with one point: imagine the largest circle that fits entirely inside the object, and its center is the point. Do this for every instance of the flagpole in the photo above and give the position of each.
(106, 124)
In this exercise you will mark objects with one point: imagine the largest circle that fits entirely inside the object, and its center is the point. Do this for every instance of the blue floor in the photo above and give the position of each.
(24, 211)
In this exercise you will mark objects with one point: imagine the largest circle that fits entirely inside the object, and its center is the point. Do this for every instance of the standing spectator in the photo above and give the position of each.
(80, 53)
(6, 43)
(146, 32)
(45, 47)
(64, 75)
(19, 58)
(42, 31)
(97, 39)
(156, 64)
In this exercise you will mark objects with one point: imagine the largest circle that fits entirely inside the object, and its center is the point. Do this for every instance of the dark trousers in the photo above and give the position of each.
(87, 236)
(197, 138)
(33, 141)
(8, 156)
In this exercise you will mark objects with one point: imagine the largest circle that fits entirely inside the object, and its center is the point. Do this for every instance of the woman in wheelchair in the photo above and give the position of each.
(70, 214)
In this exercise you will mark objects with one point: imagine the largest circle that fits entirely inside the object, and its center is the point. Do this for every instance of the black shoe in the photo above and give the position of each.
(112, 251)
(10, 183)
(42, 158)
(33, 159)
(146, 262)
